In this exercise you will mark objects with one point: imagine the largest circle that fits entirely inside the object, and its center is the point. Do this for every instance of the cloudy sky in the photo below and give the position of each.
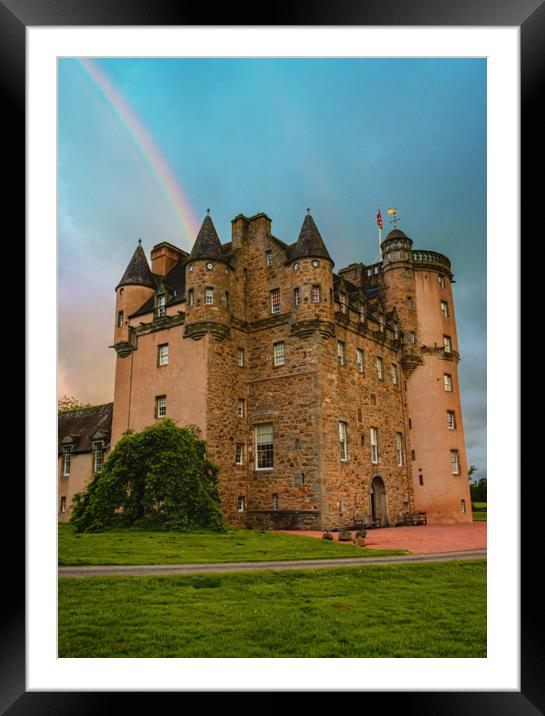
(145, 146)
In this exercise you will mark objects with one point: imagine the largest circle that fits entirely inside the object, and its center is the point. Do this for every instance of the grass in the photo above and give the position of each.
(417, 610)
(127, 546)
(479, 511)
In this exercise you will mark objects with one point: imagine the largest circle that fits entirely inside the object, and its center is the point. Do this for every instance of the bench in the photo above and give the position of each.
(365, 522)
(412, 519)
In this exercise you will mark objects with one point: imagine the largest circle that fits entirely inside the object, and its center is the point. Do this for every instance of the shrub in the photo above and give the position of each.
(327, 535)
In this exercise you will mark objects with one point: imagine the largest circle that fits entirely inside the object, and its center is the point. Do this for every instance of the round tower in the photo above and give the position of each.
(207, 284)
(440, 473)
(136, 286)
(311, 269)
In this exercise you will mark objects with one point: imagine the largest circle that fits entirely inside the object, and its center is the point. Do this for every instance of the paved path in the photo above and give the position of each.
(420, 540)
(146, 570)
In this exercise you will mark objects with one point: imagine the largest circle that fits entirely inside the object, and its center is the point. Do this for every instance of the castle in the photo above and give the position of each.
(322, 395)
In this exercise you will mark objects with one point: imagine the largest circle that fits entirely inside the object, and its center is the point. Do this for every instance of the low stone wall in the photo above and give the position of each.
(284, 520)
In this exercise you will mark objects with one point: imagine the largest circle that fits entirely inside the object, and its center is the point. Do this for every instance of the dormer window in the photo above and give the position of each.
(98, 455)
(342, 298)
(268, 257)
(160, 307)
(67, 459)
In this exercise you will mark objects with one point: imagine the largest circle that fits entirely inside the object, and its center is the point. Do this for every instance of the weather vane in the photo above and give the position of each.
(395, 219)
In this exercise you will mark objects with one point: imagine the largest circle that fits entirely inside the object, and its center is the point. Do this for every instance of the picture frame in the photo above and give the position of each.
(15, 17)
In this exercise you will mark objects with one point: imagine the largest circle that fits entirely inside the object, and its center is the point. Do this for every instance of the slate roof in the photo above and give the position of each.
(174, 282)
(309, 243)
(396, 234)
(138, 272)
(81, 424)
(207, 244)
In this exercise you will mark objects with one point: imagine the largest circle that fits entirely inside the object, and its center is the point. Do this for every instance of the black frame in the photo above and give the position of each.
(15, 15)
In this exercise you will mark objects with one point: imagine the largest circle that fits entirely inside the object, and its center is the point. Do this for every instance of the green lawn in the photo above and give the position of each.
(126, 546)
(417, 610)
(479, 511)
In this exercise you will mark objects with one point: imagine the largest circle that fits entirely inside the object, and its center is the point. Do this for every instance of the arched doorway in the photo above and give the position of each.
(377, 497)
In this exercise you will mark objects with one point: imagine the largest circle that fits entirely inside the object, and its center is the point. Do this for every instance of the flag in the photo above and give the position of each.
(379, 219)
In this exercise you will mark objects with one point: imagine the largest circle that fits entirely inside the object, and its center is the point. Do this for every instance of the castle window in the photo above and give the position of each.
(360, 415)
(209, 296)
(296, 296)
(373, 434)
(264, 446)
(455, 462)
(120, 317)
(342, 298)
(161, 406)
(297, 444)
(275, 300)
(412, 337)
(245, 274)
(380, 368)
(279, 353)
(413, 455)
(410, 303)
(63, 504)
(462, 505)
(268, 257)
(241, 504)
(359, 360)
(410, 423)
(448, 382)
(421, 479)
(399, 449)
(441, 280)
(160, 309)
(407, 273)
(239, 454)
(67, 460)
(341, 353)
(369, 272)
(393, 369)
(373, 399)
(444, 309)
(191, 297)
(240, 408)
(240, 357)
(315, 294)
(275, 501)
(447, 344)
(162, 354)
(342, 441)
(451, 419)
(381, 324)
(362, 440)
(226, 299)
(98, 455)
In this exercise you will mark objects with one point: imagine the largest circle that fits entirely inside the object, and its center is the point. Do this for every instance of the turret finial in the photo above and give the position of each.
(139, 242)
(208, 212)
(308, 210)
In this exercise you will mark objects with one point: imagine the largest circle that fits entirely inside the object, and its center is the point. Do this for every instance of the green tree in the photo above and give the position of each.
(160, 476)
(68, 402)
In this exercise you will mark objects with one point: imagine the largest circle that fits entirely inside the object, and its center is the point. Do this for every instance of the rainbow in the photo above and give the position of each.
(149, 150)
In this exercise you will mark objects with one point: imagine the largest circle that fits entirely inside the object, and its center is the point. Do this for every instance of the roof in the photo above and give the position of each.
(138, 272)
(174, 282)
(81, 424)
(396, 234)
(207, 244)
(309, 243)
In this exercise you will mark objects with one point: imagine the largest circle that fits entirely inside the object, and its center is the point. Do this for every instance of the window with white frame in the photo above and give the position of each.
(161, 406)
(240, 357)
(296, 296)
(275, 501)
(393, 371)
(264, 446)
(63, 504)
(412, 337)
(373, 441)
(241, 504)
(275, 300)
(399, 449)
(342, 441)
(120, 316)
(98, 455)
(315, 294)
(279, 353)
(209, 295)
(462, 505)
(241, 406)
(162, 354)
(239, 454)
(447, 344)
(67, 459)
(341, 352)
(359, 360)
(191, 297)
(161, 306)
(342, 297)
(380, 368)
(451, 419)
(441, 280)
(268, 257)
(455, 462)
(444, 309)
(447, 378)
(362, 314)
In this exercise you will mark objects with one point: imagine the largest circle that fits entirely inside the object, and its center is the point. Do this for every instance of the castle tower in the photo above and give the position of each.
(440, 473)
(207, 286)
(312, 283)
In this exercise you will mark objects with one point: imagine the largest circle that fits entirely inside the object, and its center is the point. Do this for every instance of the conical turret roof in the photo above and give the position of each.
(310, 243)
(138, 272)
(396, 234)
(207, 244)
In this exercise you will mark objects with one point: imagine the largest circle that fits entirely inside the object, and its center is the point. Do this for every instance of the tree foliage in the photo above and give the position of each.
(478, 491)
(160, 476)
(68, 402)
